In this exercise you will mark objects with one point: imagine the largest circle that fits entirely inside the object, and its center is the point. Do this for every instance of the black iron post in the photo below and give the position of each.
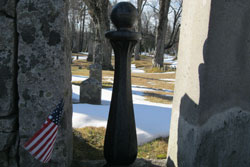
(120, 147)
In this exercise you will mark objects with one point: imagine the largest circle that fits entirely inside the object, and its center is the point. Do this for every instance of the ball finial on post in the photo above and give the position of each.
(120, 145)
(124, 15)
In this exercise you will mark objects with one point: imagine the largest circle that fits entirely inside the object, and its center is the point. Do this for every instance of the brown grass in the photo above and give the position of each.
(149, 80)
(142, 79)
(82, 72)
(88, 144)
(79, 54)
(85, 72)
(153, 80)
(156, 149)
(145, 62)
(83, 64)
(159, 97)
(105, 84)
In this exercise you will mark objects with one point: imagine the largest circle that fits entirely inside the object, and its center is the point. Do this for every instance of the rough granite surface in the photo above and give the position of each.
(7, 51)
(44, 75)
(8, 7)
(8, 97)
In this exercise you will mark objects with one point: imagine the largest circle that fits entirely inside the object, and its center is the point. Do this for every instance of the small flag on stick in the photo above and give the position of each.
(41, 144)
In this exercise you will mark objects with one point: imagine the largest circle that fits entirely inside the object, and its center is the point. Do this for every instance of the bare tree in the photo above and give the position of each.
(155, 14)
(161, 33)
(99, 11)
(83, 11)
(77, 17)
(140, 7)
(90, 42)
(148, 36)
(173, 39)
(72, 13)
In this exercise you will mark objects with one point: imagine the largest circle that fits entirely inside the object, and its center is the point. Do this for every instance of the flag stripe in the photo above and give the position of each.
(49, 157)
(46, 153)
(35, 143)
(44, 138)
(46, 143)
(46, 146)
(49, 154)
(41, 138)
(36, 134)
(49, 149)
(42, 143)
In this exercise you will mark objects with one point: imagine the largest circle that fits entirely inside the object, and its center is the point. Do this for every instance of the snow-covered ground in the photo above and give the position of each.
(169, 59)
(80, 57)
(136, 70)
(168, 80)
(79, 78)
(152, 119)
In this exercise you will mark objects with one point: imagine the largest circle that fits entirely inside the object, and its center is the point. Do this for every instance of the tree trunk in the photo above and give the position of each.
(98, 10)
(80, 37)
(161, 33)
(91, 42)
(138, 29)
(73, 33)
(90, 49)
(82, 28)
(105, 45)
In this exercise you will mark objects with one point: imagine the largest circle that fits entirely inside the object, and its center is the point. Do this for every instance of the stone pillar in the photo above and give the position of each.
(44, 75)
(8, 86)
(211, 111)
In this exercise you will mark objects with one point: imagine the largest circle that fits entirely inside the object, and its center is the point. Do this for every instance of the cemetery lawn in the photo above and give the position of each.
(154, 81)
(152, 96)
(88, 144)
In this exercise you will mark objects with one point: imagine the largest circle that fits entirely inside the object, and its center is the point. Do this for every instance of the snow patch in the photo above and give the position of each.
(136, 70)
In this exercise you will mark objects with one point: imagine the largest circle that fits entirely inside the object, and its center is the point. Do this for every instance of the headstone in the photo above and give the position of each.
(211, 112)
(90, 91)
(44, 76)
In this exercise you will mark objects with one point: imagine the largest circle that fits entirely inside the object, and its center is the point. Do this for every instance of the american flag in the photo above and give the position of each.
(41, 144)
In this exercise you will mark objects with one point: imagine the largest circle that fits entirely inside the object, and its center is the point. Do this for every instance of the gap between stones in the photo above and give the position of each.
(6, 15)
(16, 95)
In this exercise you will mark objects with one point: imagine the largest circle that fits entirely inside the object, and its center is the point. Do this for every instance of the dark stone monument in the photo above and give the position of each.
(90, 91)
(120, 147)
